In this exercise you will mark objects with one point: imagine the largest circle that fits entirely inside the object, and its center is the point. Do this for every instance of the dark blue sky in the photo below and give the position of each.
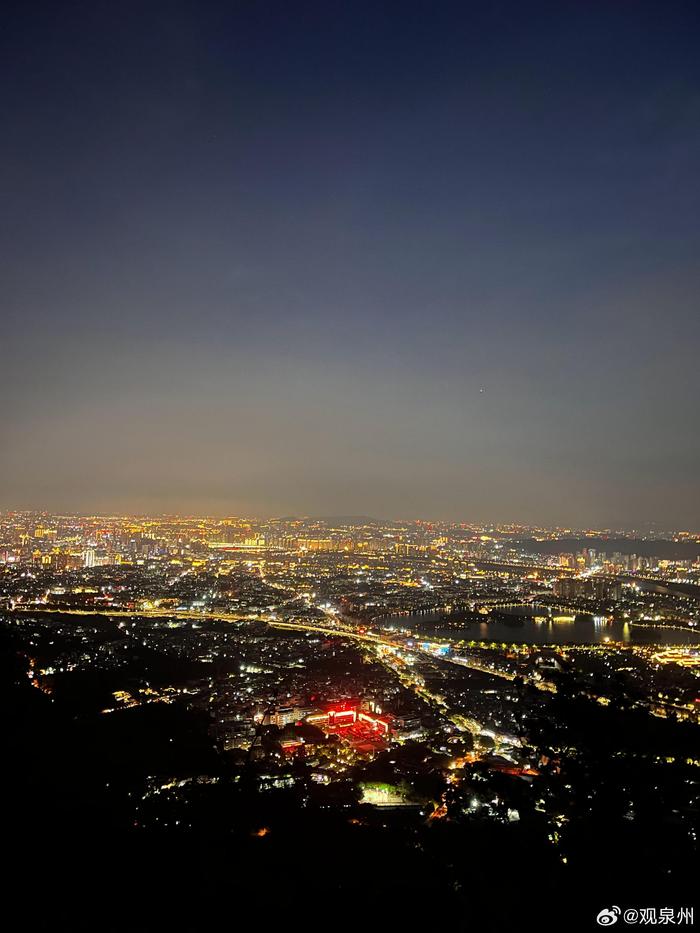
(404, 259)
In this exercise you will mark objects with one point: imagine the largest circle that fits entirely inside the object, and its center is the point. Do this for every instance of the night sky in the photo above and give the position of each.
(408, 260)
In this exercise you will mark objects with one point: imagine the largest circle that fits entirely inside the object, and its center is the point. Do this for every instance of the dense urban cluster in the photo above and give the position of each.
(416, 684)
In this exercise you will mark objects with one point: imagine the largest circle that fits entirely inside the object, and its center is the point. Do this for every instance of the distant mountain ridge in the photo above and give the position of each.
(337, 519)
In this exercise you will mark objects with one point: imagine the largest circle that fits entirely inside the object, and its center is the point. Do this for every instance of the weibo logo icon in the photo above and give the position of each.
(608, 916)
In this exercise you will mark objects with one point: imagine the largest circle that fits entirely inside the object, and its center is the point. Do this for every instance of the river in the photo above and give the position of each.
(540, 626)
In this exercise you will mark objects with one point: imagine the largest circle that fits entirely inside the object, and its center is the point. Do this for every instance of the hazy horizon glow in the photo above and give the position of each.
(335, 259)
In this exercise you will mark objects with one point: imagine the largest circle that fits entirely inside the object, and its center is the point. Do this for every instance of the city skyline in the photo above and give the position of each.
(349, 465)
(259, 698)
(652, 530)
